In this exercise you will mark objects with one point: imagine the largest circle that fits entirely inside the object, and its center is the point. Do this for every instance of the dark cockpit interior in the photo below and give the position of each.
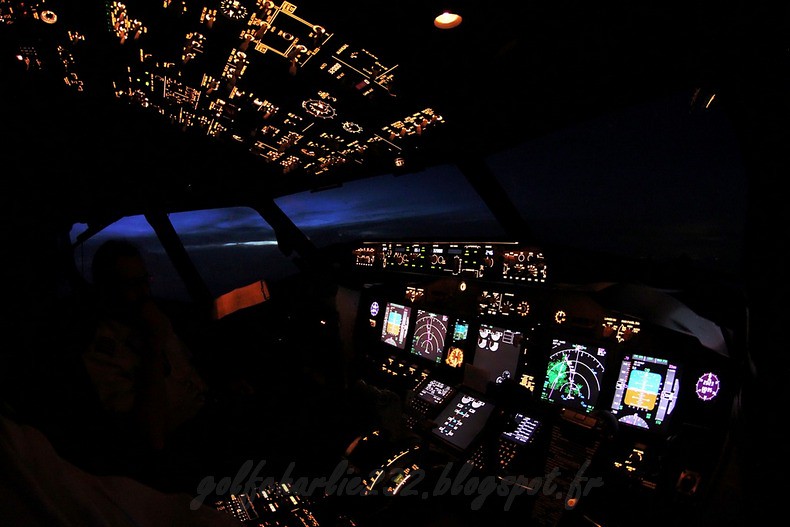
(520, 269)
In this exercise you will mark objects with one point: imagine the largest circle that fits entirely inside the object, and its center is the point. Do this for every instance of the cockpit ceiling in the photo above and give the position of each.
(282, 97)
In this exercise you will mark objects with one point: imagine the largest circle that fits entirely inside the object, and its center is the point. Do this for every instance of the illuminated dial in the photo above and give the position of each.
(466, 399)
(707, 386)
(233, 9)
(374, 309)
(350, 127)
(48, 17)
(319, 108)
(455, 357)
(523, 308)
(560, 316)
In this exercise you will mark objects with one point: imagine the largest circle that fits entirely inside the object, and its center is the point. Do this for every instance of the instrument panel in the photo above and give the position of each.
(565, 349)
(494, 394)
(504, 261)
(539, 376)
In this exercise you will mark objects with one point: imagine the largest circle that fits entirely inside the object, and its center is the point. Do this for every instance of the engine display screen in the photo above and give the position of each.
(646, 391)
(462, 420)
(430, 334)
(573, 375)
(396, 325)
(498, 351)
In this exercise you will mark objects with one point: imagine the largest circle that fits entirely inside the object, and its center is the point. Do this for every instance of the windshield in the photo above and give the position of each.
(434, 204)
(231, 247)
(656, 181)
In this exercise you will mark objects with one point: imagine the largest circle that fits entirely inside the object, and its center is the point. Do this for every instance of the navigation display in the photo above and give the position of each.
(573, 375)
(396, 325)
(430, 333)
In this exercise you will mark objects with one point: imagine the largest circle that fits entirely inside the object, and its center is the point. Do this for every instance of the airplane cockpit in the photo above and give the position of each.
(504, 269)
(525, 393)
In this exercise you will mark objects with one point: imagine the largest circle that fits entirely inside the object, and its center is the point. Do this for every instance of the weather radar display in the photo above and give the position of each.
(573, 375)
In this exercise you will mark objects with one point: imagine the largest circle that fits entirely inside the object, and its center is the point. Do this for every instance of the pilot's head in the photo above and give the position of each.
(120, 276)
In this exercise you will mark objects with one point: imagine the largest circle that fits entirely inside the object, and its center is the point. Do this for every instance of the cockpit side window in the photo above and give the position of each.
(165, 280)
(230, 247)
